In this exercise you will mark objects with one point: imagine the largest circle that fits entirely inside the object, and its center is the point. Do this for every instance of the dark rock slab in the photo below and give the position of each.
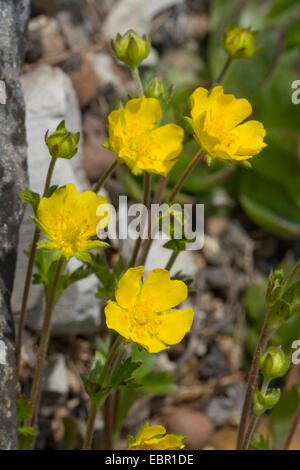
(13, 177)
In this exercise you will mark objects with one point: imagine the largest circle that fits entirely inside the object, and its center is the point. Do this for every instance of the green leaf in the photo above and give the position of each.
(26, 436)
(269, 206)
(24, 409)
(31, 197)
(259, 442)
(124, 373)
(158, 383)
(109, 278)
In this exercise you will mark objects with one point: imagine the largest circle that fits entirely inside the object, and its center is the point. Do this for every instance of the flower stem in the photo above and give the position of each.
(90, 426)
(251, 384)
(35, 394)
(146, 202)
(156, 200)
(94, 407)
(137, 80)
(27, 285)
(105, 177)
(254, 420)
(292, 430)
(186, 173)
(28, 276)
(172, 260)
(222, 73)
(252, 426)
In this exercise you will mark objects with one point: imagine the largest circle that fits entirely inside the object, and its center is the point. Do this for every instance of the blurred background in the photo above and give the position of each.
(252, 217)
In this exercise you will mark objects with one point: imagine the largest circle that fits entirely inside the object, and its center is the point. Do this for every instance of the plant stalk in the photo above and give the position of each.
(90, 426)
(186, 173)
(35, 394)
(105, 177)
(172, 260)
(251, 384)
(146, 202)
(28, 277)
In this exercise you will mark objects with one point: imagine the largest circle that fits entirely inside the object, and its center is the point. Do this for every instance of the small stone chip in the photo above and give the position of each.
(2, 92)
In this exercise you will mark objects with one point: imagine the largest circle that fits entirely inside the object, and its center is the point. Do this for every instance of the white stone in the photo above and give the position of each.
(2, 353)
(50, 98)
(134, 14)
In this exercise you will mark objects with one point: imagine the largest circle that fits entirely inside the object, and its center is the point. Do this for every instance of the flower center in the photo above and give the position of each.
(138, 144)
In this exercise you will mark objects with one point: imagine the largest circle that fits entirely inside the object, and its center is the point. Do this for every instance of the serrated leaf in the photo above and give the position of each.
(31, 197)
(124, 373)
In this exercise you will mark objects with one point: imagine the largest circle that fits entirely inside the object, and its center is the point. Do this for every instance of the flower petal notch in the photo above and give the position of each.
(217, 120)
(138, 142)
(145, 312)
(69, 220)
(155, 438)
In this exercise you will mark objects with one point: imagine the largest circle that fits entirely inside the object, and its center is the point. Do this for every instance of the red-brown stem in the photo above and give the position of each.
(27, 285)
(250, 386)
(108, 423)
(35, 394)
(90, 427)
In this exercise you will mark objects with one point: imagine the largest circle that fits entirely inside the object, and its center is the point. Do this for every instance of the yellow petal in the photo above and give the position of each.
(117, 319)
(160, 293)
(129, 287)
(169, 139)
(148, 432)
(199, 102)
(225, 111)
(250, 137)
(174, 325)
(145, 110)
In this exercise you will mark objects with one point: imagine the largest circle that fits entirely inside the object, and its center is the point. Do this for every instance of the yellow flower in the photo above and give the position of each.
(134, 137)
(216, 120)
(68, 219)
(144, 313)
(155, 438)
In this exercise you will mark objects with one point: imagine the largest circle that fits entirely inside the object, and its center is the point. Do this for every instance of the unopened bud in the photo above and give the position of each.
(131, 48)
(239, 43)
(62, 143)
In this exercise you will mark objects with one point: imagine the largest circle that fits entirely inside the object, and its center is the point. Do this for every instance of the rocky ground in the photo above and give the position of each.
(69, 73)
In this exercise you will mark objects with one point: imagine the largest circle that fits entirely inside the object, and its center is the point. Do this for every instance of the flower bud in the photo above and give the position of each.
(264, 402)
(62, 143)
(239, 43)
(274, 363)
(156, 88)
(131, 48)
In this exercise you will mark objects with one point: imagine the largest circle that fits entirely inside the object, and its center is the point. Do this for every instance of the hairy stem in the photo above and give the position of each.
(87, 444)
(35, 394)
(186, 173)
(146, 202)
(172, 260)
(251, 384)
(137, 80)
(28, 276)
(105, 177)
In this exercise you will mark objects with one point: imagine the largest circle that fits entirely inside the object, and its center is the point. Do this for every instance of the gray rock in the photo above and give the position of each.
(2, 92)
(49, 98)
(13, 177)
(134, 14)
(55, 387)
